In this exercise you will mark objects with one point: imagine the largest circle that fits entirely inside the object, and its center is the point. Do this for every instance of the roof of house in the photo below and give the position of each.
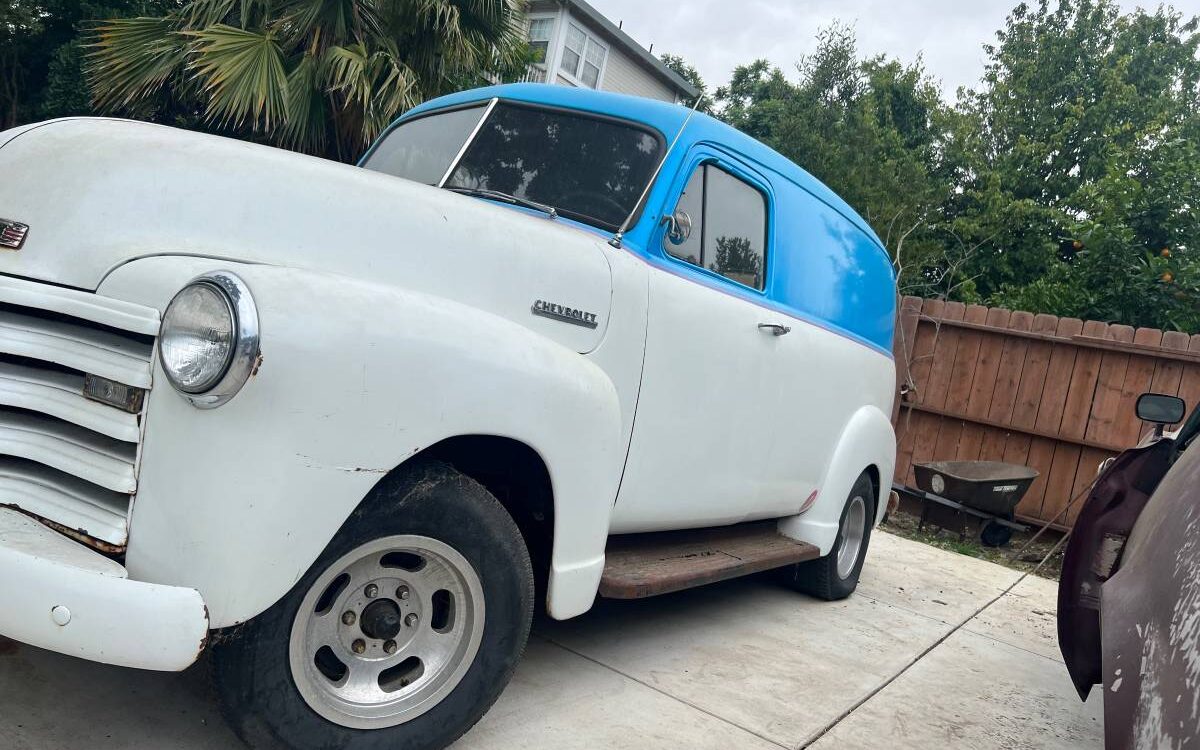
(614, 32)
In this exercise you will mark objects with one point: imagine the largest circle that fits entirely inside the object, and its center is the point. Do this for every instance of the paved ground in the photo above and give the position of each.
(918, 658)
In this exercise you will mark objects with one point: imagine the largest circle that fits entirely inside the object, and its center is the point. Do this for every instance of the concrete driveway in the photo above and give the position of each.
(920, 657)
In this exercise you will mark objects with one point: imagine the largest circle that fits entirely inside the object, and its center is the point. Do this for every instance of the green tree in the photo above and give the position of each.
(319, 76)
(692, 76)
(40, 71)
(874, 130)
(1085, 173)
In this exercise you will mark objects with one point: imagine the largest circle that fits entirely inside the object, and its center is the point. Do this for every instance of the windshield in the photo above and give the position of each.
(589, 168)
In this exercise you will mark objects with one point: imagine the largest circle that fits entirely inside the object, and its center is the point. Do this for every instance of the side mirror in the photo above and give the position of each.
(679, 227)
(1160, 409)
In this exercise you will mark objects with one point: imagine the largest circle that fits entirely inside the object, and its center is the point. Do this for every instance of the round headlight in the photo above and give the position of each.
(209, 338)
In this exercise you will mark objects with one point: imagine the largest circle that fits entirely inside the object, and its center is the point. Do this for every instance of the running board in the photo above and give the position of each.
(641, 565)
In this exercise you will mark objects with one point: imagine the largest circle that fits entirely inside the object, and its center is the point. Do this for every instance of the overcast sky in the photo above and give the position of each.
(718, 35)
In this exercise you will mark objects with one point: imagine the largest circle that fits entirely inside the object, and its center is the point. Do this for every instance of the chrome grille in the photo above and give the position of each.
(65, 457)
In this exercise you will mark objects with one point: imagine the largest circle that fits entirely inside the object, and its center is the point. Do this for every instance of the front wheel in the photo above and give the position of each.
(835, 576)
(401, 635)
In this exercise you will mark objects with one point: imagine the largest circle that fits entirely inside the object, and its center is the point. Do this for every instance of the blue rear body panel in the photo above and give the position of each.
(824, 263)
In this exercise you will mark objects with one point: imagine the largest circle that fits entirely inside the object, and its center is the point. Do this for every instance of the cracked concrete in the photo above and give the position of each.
(920, 657)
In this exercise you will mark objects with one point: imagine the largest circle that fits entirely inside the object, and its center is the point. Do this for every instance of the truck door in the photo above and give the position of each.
(704, 418)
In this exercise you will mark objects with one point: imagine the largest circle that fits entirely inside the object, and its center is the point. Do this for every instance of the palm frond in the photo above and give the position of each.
(377, 85)
(242, 75)
(307, 123)
(128, 59)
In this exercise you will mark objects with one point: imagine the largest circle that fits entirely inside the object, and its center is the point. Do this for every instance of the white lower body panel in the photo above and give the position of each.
(60, 595)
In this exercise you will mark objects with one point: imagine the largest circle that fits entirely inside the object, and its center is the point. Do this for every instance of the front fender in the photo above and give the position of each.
(356, 377)
(867, 440)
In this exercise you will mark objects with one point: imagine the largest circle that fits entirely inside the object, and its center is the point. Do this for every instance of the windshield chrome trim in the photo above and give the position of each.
(467, 144)
(620, 235)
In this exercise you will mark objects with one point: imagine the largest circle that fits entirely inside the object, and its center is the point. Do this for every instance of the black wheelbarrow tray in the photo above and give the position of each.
(986, 490)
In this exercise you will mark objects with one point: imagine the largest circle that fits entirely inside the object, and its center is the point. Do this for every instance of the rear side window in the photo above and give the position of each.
(729, 226)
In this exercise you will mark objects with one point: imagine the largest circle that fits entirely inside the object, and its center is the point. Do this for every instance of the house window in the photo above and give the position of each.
(540, 31)
(729, 226)
(583, 57)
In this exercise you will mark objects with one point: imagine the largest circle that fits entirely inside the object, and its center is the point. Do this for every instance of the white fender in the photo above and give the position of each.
(356, 377)
(867, 440)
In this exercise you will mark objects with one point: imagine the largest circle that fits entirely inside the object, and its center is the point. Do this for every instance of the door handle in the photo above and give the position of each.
(775, 328)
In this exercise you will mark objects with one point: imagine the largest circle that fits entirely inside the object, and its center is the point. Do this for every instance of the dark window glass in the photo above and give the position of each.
(729, 226)
(735, 228)
(590, 169)
(422, 150)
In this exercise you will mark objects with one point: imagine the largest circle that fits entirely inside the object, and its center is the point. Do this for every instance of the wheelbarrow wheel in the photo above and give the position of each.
(994, 534)
(835, 576)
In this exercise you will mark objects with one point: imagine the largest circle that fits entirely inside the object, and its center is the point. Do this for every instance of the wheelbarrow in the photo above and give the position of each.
(953, 493)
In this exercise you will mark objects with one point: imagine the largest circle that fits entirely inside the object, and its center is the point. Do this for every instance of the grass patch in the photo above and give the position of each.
(905, 524)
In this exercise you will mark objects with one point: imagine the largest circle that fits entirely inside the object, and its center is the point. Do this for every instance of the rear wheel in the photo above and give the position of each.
(835, 576)
(401, 635)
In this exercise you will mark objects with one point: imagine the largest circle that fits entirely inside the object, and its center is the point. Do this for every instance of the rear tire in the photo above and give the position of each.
(835, 576)
(400, 636)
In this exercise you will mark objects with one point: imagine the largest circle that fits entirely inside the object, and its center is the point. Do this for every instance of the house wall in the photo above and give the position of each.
(622, 72)
(625, 76)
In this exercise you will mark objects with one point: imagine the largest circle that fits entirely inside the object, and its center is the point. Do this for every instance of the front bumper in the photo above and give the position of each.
(60, 595)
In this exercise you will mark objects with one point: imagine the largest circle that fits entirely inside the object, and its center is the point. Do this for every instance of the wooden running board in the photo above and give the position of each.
(641, 565)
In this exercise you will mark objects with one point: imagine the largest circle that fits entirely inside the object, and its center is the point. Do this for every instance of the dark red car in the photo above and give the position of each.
(1129, 597)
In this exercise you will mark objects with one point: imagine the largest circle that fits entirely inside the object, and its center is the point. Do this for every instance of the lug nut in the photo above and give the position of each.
(371, 591)
(359, 645)
(411, 619)
(402, 592)
(389, 647)
(348, 618)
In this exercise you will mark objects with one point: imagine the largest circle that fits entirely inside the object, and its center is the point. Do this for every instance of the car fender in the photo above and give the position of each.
(355, 378)
(866, 440)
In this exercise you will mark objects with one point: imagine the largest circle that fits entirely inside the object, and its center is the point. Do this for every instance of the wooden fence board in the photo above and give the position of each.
(1189, 386)
(1103, 423)
(940, 369)
(1008, 378)
(1054, 394)
(1103, 420)
(983, 385)
(958, 390)
(1137, 381)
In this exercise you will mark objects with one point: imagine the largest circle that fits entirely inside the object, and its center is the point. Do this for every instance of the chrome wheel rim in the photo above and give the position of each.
(851, 536)
(387, 631)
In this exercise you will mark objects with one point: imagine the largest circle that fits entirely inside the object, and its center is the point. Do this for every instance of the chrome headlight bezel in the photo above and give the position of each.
(244, 357)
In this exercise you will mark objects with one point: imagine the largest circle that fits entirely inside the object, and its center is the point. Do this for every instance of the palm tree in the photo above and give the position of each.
(320, 76)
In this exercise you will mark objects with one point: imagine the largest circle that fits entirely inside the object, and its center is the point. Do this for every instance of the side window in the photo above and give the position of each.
(691, 203)
(729, 226)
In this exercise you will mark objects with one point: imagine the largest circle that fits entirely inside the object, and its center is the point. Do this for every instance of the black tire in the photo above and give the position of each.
(820, 577)
(250, 665)
(995, 535)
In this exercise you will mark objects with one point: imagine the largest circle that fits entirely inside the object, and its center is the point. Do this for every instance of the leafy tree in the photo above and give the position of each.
(871, 129)
(1086, 168)
(692, 76)
(40, 57)
(319, 76)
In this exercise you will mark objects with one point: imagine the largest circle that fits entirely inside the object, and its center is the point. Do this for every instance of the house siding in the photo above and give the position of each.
(624, 76)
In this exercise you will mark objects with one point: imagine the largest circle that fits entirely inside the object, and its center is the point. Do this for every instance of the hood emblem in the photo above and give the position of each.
(12, 234)
(564, 313)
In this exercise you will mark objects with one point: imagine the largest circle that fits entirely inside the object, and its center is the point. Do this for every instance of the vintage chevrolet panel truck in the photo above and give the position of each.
(337, 425)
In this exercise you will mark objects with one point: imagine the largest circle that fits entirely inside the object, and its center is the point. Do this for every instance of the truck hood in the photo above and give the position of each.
(98, 193)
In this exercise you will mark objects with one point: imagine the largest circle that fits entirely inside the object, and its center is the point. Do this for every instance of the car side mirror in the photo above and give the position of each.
(1160, 409)
(679, 227)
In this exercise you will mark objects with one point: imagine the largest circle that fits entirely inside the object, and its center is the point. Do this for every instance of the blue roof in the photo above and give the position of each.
(664, 117)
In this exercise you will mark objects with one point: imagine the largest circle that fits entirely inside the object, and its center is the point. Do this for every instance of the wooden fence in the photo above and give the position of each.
(1053, 393)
